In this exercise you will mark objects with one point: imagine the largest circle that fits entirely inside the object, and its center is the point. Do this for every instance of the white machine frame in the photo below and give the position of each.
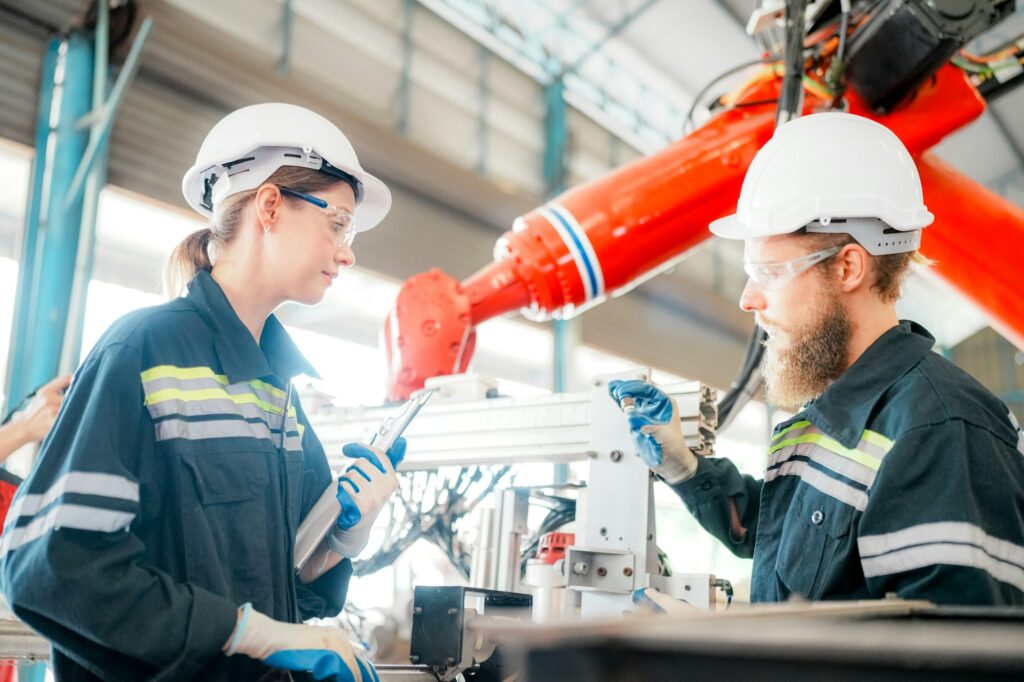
(616, 541)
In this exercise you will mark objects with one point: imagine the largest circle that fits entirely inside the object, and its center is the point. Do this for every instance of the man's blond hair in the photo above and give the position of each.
(890, 270)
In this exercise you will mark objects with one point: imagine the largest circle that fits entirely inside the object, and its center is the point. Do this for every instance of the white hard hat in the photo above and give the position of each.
(832, 172)
(248, 145)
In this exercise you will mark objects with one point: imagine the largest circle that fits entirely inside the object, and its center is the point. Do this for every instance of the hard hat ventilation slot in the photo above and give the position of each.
(230, 164)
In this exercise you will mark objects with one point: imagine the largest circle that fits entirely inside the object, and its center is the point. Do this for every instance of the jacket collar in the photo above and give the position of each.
(241, 358)
(846, 406)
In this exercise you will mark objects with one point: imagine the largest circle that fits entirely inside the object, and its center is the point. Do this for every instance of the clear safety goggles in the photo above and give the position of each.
(341, 219)
(775, 276)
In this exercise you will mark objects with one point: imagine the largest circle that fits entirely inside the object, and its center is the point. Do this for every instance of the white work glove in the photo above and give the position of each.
(38, 416)
(654, 426)
(323, 651)
(362, 492)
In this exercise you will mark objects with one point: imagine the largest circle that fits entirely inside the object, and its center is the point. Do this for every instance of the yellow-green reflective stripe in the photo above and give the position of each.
(214, 394)
(172, 372)
(269, 388)
(795, 425)
(832, 446)
(878, 439)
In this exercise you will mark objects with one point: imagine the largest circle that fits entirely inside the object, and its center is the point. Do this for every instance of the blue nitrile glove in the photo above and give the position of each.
(654, 425)
(362, 492)
(323, 651)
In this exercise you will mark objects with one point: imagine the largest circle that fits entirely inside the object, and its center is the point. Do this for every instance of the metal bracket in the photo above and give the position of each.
(600, 570)
(440, 635)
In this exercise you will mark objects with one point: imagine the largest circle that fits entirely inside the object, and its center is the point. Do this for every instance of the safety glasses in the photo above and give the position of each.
(775, 276)
(341, 219)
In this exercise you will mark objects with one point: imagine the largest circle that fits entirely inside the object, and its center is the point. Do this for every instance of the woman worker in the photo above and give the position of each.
(154, 538)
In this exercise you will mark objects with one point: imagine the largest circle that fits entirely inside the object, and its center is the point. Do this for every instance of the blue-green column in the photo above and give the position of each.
(555, 139)
(50, 242)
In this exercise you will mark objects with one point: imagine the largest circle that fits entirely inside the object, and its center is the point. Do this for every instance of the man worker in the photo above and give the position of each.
(899, 473)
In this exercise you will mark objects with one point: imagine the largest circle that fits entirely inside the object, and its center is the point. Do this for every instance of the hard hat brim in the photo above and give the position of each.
(376, 201)
(730, 227)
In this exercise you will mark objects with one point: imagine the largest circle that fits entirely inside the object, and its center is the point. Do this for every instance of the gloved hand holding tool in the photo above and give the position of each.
(324, 652)
(654, 426)
(362, 492)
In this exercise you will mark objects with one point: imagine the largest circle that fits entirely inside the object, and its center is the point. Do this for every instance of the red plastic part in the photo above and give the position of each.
(977, 242)
(602, 237)
(7, 491)
(553, 545)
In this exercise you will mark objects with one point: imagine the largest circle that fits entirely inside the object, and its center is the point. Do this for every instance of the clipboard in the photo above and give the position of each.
(324, 514)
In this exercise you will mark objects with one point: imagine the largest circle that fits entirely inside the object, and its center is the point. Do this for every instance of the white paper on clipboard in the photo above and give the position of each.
(324, 514)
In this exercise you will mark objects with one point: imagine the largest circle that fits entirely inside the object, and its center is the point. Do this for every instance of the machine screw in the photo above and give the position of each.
(591, 454)
(417, 610)
(580, 568)
(602, 571)
(627, 571)
(616, 455)
(414, 659)
(603, 531)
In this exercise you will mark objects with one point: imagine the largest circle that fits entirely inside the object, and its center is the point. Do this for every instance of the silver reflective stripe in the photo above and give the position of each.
(841, 491)
(204, 408)
(951, 543)
(1020, 434)
(840, 465)
(223, 428)
(83, 482)
(77, 516)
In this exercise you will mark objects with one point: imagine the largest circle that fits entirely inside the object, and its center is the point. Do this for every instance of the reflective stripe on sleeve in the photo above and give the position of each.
(951, 543)
(77, 516)
(82, 482)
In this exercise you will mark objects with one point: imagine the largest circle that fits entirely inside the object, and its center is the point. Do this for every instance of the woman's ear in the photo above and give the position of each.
(268, 206)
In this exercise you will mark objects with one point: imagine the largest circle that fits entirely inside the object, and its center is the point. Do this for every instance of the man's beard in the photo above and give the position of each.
(814, 357)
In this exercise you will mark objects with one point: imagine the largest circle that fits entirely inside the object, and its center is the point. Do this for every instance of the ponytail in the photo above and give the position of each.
(187, 259)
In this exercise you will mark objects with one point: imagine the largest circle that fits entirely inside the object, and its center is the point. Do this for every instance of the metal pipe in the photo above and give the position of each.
(110, 110)
(71, 349)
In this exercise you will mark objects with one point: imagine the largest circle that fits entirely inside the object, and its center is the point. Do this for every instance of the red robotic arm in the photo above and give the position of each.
(603, 237)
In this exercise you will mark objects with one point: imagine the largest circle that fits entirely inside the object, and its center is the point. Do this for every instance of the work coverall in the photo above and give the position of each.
(164, 498)
(906, 476)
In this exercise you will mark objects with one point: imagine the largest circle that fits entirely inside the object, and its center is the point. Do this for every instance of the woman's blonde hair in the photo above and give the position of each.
(199, 250)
